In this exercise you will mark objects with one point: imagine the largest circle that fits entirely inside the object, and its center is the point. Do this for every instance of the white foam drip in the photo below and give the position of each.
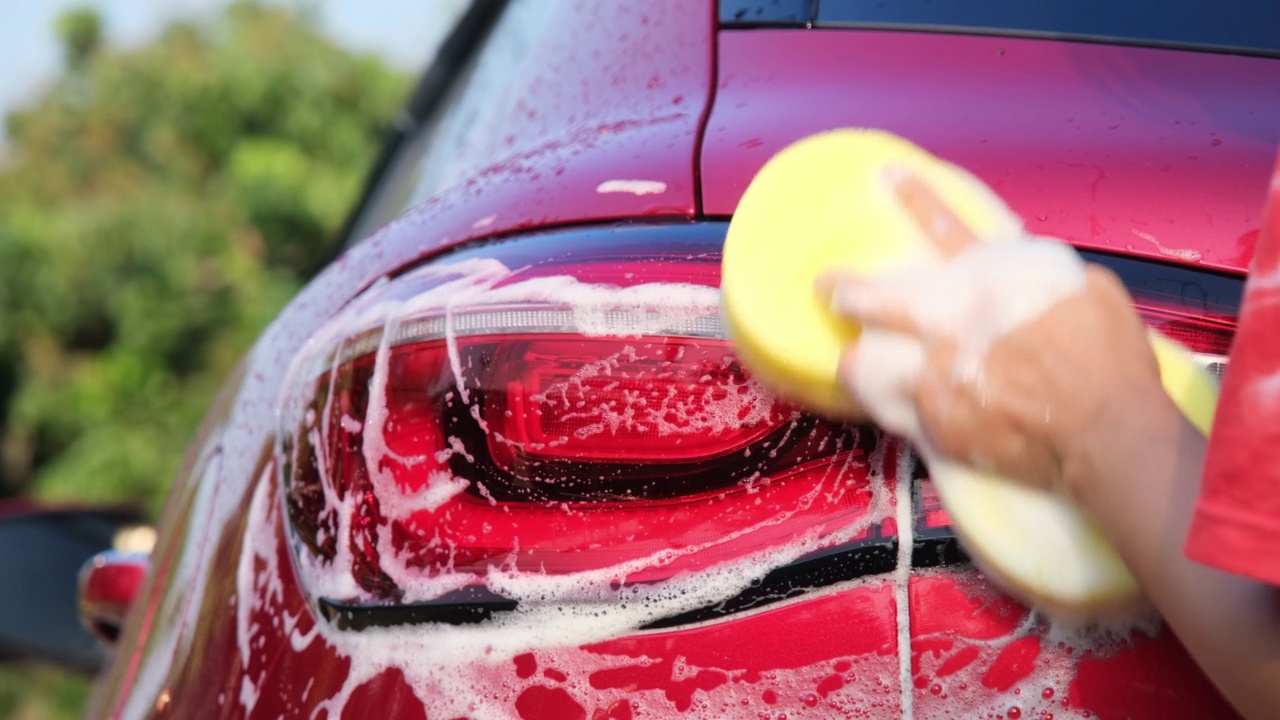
(254, 586)
(634, 187)
(442, 486)
(187, 582)
(904, 519)
(350, 424)
(1187, 254)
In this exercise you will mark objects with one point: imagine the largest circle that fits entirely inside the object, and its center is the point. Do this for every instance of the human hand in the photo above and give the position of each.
(1014, 355)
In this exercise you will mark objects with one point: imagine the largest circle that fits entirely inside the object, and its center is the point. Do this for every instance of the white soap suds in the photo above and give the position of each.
(974, 298)
(466, 290)
(442, 487)
(1038, 658)
(609, 395)
(904, 519)
(1180, 253)
(969, 291)
(187, 581)
(635, 187)
(253, 583)
(467, 670)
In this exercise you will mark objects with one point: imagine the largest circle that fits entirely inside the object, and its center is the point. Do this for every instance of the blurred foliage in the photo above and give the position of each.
(34, 692)
(157, 208)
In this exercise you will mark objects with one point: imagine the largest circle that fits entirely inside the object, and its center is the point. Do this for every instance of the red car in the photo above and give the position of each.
(498, 460)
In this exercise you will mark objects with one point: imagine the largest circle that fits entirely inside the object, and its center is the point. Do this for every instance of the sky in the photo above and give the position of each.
(404, 32)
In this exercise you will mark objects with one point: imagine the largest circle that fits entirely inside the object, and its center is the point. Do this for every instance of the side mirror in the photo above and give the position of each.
(42, 553)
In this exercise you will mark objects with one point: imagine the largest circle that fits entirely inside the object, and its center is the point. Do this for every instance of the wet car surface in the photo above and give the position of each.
(498, 460)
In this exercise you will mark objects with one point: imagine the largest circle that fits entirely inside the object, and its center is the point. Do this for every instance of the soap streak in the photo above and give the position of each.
(904, 518)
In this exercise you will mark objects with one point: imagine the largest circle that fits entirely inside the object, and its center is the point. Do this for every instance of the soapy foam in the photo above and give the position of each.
(905, 522)
(465, 670)
(968, 291)
(448, 665)
(710, 407)
(634, 187)
(590, 602)
(1044, 689)
(188, 579)
(251, 583)
(1178, 253)
(462, 287)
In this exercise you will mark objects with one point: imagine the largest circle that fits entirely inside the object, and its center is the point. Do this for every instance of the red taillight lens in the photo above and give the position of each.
(581, 416)
(465, 420)
(575, 454)
(656, 400)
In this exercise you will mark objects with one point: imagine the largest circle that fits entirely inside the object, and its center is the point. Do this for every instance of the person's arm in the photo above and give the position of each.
(1072, 400)
(1144, 480)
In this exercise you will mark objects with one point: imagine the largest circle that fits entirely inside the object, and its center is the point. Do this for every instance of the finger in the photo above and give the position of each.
(871, 303)
(880, 375)
(947, 232)
(824, 286)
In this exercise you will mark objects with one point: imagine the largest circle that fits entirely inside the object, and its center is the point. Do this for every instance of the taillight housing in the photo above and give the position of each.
(564, 405)
(560, 405)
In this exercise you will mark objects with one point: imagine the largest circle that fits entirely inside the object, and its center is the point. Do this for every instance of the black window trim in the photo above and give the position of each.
(805, 14)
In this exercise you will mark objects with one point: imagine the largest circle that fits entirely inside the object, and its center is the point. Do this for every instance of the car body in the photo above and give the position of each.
(446, 483)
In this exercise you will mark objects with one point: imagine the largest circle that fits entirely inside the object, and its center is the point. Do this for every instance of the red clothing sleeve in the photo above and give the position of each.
(1236, 526)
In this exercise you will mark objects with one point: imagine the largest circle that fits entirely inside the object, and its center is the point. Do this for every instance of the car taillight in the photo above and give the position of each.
(565, 406)
(466, 421)
(663, 400)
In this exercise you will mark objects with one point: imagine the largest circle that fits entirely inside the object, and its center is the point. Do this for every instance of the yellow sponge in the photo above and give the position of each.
(822, 203)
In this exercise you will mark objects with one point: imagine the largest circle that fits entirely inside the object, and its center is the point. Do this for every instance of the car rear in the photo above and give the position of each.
(500, 460)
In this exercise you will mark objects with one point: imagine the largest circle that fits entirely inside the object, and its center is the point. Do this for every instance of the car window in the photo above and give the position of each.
(1247, 25)
(462, 131)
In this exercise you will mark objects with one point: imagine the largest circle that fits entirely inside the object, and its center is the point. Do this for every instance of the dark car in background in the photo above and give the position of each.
(498, 460)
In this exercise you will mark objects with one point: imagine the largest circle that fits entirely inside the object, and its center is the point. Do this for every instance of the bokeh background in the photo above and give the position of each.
(171, 173)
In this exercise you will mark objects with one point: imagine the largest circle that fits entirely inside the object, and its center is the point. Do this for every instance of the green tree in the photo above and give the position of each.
(81, 34)
(157, 208)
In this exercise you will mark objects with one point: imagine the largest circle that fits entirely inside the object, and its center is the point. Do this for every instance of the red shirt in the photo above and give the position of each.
(1236, 526)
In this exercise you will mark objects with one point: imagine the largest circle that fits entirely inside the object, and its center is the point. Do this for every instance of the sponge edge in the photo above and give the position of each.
(822, 203)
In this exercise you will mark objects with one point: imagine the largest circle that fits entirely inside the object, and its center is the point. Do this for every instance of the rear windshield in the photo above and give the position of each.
(1237, 25)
